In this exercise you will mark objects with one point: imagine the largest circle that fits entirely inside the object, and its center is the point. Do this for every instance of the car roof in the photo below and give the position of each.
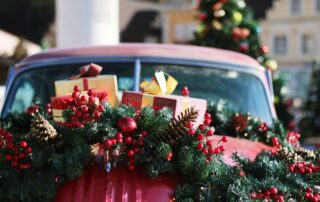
(146, 50)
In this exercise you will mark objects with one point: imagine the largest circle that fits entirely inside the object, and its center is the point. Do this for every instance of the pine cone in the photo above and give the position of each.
(305, 154)
(44, 133)
(177, 128)
(289, 156)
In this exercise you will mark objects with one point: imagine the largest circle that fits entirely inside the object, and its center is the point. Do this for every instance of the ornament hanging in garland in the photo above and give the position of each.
(127, 124)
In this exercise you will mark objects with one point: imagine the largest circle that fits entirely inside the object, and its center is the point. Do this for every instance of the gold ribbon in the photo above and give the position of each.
(162, 84)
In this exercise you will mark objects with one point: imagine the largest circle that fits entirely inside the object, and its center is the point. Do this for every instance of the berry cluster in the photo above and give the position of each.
(18, 155)
(263, 127)
(270, 194)
(205, 145)
(133, 144)
(293, 138)
(311, 195)
(185, 91)
(83, 108)
(304, 168)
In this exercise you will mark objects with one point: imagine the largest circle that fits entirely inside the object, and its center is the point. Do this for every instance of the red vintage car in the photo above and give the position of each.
(211, 74)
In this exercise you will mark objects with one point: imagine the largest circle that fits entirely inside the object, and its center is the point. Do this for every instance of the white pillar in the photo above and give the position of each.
(87, 22)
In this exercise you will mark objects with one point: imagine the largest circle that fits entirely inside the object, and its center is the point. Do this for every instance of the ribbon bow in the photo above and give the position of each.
(161, 84)
(91, 70)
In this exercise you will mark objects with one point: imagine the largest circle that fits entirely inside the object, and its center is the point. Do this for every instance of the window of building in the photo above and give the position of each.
(307, 44)
(318, 5)
(295, 6)
(280, 45)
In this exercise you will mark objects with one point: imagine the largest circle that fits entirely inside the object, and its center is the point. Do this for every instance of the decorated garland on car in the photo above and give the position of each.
(47, 155)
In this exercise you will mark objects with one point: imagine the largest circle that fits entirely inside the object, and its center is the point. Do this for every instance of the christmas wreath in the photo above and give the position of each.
(37, 155)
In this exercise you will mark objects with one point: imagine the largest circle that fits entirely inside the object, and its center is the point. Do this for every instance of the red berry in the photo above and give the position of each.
(211, 150)
(189, 125)
(210, 132)
(307, 195)
(92, 99)
(108, 143)
(302, 170)
(23, 144)
(96, 114)
(200, 146)
(273, 190)
(209, 143)
(207, 122)
(76, 89)
(15, 157)
(253, 195)
(280, 198)
(136, 150)
(216, 150)
(114, 141)
(191, 131)
(29, 150)
(90, 92)
(128, 140)
(130, 153)
(78, 114)
(224, 139)
(22, 166)
(207, 161)
(131, 161)
(75, 95)
(144, 133)
(84, 108)
(309, 190)
(308, 170)
(205, 151)
(222, 148)
(202, 127)
(100, 108)
(73, 109)
(131, 167)
(83, 98)
(22, 155)
(207, 116)
(14, 163)
(9, 157)
(200, 137)
(119, 136)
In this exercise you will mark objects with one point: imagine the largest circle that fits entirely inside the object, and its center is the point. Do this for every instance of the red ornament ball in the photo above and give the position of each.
(23, 144)
(127, 124)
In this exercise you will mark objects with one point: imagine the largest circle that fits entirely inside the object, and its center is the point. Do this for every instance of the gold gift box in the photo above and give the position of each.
(107, 83)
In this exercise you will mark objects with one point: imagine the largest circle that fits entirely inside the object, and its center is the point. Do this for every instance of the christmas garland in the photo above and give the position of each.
(42, 155)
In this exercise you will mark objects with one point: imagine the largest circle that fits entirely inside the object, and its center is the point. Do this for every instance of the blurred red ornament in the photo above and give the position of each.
(264, 49)
(127, 124)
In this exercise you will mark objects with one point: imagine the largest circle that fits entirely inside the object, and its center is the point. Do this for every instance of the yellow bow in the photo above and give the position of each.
(161, 85)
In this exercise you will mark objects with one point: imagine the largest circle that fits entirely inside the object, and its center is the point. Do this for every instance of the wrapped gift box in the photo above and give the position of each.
(178, 104)
(59, 103)
(106, 83)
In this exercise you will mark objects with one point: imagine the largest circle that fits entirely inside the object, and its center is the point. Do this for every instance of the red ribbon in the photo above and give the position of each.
(91, 70)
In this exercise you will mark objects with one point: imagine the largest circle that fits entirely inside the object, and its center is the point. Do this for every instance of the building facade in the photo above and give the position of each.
(291, 30)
